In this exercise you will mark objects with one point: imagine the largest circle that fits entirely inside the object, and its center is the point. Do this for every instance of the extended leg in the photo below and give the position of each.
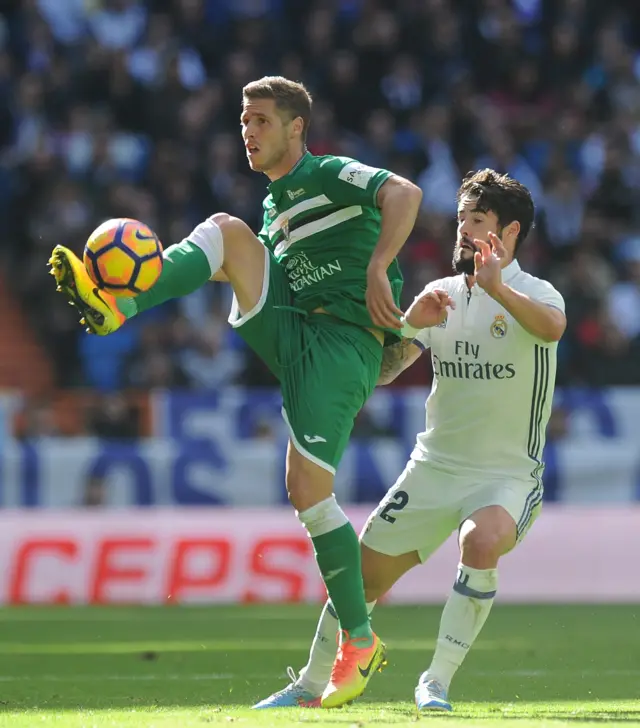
(221, 247)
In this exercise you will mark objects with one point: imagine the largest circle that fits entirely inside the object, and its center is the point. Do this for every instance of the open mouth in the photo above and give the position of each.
(252, 149)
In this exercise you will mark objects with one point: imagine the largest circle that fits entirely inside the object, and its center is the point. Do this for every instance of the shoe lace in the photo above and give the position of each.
(347, 648)
(291, 674)
(436, 688)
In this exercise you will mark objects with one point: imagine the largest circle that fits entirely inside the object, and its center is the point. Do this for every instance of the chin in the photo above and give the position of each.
(464, 264)
(254, 163)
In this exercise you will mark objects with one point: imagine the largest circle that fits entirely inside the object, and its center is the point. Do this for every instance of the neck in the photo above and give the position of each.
(286, 164)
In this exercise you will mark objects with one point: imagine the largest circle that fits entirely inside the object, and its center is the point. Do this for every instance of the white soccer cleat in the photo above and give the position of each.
(293, 696)
(431, 694)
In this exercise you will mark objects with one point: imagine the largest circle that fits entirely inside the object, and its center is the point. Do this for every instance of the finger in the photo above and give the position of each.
(431, 296)
(390, 304)
(378, 314)
(444, 299)
(390, 313)
(391, 320)
(498, 245)
(485, 248)
(477, 261)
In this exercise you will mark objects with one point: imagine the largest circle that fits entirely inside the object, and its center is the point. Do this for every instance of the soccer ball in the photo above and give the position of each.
(123, 257)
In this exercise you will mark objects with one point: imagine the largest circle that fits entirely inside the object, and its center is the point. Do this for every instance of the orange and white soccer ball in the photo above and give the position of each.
(123, 257)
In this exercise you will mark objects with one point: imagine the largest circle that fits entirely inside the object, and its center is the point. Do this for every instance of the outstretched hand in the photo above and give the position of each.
(429, 309)
(488, 263)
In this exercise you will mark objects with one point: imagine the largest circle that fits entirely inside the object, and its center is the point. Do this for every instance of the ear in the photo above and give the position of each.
(511, 232)
(297, 126)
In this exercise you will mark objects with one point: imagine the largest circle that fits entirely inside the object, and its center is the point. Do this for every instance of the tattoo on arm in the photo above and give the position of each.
(393, 358)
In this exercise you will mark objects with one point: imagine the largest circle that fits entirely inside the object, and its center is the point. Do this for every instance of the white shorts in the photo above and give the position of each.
(426, 505)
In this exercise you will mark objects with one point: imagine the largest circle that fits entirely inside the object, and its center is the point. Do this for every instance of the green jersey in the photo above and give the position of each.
(322, 222)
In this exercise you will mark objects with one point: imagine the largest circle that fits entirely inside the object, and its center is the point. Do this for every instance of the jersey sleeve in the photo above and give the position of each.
(348, 182)
(544, 292)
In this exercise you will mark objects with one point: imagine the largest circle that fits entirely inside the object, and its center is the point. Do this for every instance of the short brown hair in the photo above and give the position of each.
(507, 198)
(291, 98)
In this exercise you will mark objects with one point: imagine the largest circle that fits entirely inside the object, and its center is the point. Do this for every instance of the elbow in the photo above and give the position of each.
(414, 192)
(398, 188)
(556, 330)
(555, 335)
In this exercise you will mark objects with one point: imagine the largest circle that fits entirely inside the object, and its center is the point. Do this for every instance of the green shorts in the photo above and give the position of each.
(327, 368)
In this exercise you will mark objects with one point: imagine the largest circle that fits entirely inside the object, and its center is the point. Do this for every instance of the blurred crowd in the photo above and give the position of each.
(113, 108)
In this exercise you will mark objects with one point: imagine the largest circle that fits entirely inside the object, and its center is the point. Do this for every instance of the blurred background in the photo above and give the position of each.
(113, 108)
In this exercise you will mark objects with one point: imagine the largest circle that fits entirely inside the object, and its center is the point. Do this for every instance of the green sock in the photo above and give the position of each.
(185, 269)
(339, 552)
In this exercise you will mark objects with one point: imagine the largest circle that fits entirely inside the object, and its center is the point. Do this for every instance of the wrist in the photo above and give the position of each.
(499, 292)
(378, 265)
(408, 331)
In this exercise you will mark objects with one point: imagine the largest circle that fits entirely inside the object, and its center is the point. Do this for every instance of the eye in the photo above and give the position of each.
(477, 220)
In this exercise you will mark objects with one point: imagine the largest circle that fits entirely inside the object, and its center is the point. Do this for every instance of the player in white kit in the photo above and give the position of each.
(492, 331)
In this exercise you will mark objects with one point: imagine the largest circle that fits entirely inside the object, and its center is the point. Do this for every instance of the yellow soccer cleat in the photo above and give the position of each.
(98, 310)
(352, 670)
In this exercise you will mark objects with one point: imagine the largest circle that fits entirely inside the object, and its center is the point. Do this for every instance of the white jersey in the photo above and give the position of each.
(493, 386)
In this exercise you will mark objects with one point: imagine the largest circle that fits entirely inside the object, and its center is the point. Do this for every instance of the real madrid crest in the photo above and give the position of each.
(499, 327)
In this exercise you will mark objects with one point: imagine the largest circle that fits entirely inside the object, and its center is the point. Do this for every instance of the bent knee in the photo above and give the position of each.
(229, 224)
(485, 546)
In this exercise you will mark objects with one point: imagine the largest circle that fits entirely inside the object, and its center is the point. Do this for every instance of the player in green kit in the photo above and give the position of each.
(316, 296)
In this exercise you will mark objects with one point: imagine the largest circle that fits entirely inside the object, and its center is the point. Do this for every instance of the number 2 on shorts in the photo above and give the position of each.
(400, 500)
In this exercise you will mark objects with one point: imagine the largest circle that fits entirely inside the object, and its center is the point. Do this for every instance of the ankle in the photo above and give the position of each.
(362, 632)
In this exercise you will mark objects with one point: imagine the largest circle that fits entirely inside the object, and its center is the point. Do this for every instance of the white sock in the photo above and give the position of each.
(322, 518)
(314, 677)
(463, 617)
(208, 237)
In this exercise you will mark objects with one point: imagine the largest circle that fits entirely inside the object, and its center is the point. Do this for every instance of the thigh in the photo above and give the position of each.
(325, 387)
(522, 500)
(243, 260)
(417, 514)
(271, 328)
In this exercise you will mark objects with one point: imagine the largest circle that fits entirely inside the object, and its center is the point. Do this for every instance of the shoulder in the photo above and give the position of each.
(537, 288)
(345, 168)
(526, 282)
(332, 160)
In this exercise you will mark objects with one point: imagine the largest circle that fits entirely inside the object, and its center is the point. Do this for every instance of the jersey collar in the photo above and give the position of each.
(510, 271)
(279, 185)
